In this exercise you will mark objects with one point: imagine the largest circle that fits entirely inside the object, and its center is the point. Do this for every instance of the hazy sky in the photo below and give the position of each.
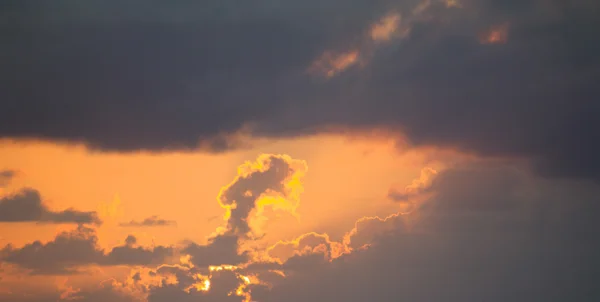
(292, 151)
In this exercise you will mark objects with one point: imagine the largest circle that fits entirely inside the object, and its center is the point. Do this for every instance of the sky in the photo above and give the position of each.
(271, 151)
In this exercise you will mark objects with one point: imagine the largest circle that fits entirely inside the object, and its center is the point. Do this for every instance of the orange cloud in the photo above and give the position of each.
(330, 64)
(385, 28)
(273, 181)
(417, 187)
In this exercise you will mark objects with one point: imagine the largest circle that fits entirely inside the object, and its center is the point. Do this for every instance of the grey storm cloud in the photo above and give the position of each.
(148, 222)
(529, 239)
(151, 76)
(72, 250)
(223, 249)
(27, 206)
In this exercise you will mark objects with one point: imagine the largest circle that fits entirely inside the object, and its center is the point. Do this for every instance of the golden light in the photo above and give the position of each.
(385, 28)
(498, 34)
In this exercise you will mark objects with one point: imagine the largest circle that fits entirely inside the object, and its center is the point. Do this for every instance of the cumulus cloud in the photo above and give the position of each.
(272, 180)
(417, 187)
(148, 222)
(72, 250)
(163, 77)
(477, 250)
(486, 231)
(27, 206)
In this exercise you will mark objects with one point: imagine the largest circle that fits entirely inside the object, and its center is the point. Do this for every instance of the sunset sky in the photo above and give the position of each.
(293, 151)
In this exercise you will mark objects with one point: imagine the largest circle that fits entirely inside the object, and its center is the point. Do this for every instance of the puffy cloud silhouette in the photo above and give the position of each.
(72, 250)
(27, 206)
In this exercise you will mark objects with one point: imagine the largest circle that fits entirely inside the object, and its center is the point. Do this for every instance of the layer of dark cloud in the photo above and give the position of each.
(159, 77)
(527, 239)
(27, 206)
(223, 283)
(72, 250)
(5, 177)
(148, 222)
(108, 290)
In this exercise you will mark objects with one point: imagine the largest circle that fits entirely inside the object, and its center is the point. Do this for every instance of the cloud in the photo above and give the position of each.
(108, 290)
(5, 177)
(129, 254)
(485, 231)
(223, 249)
(310, 243)
(179, 76)
(272, 180)
(67, 250)
(72, 250)
(541, 236)
(418, 187)
(150, 221)
(27, 206)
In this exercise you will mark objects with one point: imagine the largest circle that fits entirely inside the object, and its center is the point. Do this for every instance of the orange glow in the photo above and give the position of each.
(385, 28)
(349, 178)
(453, 3)
(496, 35)
(292, 185)
(330, 64)
(216, 268)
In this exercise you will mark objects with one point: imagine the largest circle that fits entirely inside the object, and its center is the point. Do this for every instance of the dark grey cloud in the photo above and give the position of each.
(6, 176)
(223, 249)
(62, 255)
(538, 245)
(72, 250)
(27, 206)
(129, 254)
(108, 290)
(153, 76)
(150, 221)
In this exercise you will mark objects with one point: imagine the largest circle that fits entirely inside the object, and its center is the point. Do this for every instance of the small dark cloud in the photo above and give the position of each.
(6, 176)
(27, 206)
(73, 250)
(148, 222)
(129, 254)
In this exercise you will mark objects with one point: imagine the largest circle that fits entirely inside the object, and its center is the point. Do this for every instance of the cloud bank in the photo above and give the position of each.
(478, 231)
(498, 78)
